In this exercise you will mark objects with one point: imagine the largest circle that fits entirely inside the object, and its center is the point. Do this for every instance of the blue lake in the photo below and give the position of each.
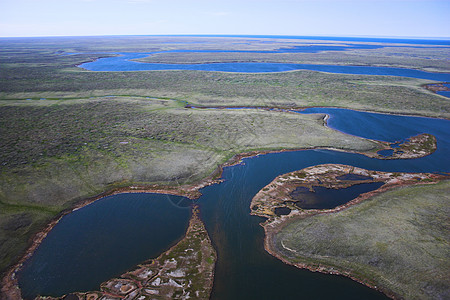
(123, 63)
(99, 241)
(411, 41)
(444, 93)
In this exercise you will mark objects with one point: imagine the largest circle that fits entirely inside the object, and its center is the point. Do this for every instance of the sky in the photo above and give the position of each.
(392, 18)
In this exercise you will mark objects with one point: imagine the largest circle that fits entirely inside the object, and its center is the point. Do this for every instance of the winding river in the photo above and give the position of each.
(111, 235)
(124, 62)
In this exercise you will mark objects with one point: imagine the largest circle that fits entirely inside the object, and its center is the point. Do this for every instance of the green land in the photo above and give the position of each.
(82, 133)
(397, 241)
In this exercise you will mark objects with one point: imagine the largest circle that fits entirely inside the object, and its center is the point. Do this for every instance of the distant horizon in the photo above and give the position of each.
(287, 36)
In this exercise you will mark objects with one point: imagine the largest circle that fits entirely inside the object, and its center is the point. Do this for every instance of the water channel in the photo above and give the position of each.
(112, 235)
(124, 62)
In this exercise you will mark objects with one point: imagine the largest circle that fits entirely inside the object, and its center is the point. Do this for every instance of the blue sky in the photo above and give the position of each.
(399, 18)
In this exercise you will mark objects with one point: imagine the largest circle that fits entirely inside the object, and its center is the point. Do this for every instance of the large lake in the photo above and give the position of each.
(108, 237)
(123, 62)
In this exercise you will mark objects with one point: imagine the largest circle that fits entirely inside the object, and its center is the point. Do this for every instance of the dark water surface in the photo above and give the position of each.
(75, 256)
(124, 63)
(386, 153)
(93, 243)
(444, 93)
(324, 198)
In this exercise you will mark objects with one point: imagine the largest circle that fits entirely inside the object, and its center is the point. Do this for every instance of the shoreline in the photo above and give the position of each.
(10, 287)
(271, 229)
(294, 108)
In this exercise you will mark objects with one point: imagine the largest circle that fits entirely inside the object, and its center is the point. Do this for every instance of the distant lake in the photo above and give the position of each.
(110, 236)
(123, 63)
(384, 40)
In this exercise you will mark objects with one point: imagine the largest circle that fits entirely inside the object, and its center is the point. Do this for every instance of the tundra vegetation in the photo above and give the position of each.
(68, 134)
(396, 241)
(35, 68)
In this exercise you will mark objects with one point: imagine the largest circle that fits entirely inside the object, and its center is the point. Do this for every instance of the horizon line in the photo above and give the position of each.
(286, 36)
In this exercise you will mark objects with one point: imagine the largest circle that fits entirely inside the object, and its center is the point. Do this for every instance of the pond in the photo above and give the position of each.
(327, 198)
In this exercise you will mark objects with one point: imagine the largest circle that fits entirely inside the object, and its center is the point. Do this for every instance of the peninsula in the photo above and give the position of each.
(364, 240)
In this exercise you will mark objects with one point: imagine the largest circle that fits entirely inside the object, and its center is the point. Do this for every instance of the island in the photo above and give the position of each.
(414, 147)
(185, 271)
(392, 238)
(438, 87)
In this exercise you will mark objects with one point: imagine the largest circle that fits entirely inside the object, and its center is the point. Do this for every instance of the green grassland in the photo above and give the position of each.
(54, 153)
(397, 241)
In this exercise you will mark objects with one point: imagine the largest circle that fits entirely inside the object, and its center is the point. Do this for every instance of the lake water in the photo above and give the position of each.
(327, 198)
(124, 63)
(383, 40)
(75, 256)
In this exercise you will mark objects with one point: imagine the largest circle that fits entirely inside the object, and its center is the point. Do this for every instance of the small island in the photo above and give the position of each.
(414, 147)
(438, 87)
(185, 271)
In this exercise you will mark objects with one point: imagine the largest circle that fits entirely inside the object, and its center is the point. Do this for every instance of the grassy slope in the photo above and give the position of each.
(397, 240)
(53, 153)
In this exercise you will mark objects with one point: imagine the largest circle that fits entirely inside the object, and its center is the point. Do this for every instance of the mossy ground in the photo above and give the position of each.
(397, 241)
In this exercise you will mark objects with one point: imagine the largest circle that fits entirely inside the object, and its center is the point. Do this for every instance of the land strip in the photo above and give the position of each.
(414, 147)
(423, 58)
